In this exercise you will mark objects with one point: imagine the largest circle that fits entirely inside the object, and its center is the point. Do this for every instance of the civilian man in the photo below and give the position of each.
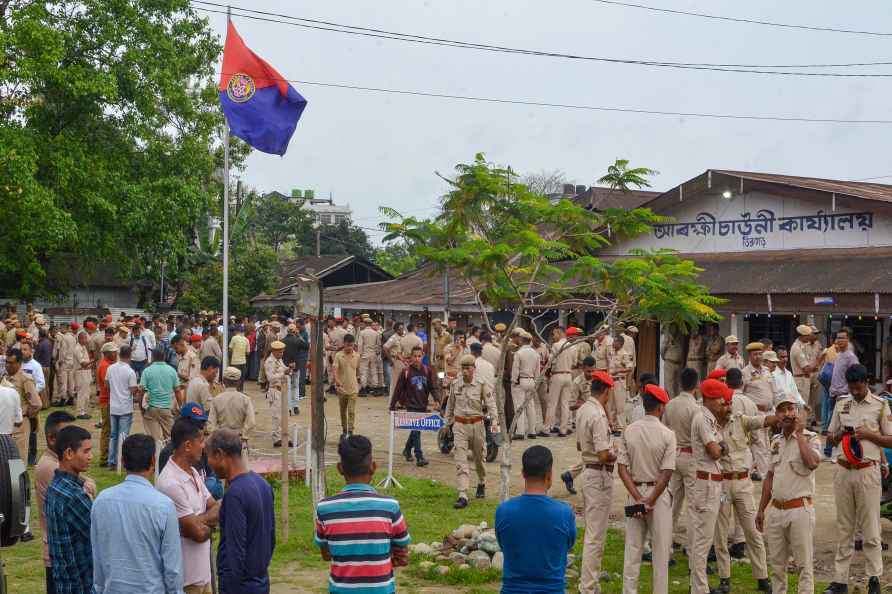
(109, 353)
(414, 387)
(122, 389)
(201, 388)
(159, 384)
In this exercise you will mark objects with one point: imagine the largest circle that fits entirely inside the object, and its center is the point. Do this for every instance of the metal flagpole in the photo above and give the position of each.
(226, 233)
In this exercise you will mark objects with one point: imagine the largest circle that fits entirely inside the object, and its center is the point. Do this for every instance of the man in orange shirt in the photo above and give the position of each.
(109, 352)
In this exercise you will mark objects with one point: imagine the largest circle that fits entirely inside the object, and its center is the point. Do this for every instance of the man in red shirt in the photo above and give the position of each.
(109, 355)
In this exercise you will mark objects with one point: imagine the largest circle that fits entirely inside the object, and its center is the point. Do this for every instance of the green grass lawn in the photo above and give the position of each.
(427, 506)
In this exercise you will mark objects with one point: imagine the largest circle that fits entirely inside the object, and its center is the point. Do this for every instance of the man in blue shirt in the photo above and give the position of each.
(135, 531)
(535, 532)
(247, 519)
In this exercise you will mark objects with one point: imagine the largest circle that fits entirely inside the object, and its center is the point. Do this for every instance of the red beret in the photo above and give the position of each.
(713, 388)
(89, 325)
(21, 333)
(603, 377)
(657, 392)
(75, 326)
(196, 338)
(718, 373)
(572, 331)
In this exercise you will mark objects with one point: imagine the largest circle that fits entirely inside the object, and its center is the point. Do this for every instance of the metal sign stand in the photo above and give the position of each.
(390, 478)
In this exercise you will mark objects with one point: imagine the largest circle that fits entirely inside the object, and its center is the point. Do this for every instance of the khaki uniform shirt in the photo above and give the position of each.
(525, 364)
(696, 348)
(275, 372)
(715, 345)
(188, 365)
(81, 356)
(673, 349)
(439, 344)
(199, 390)
(118, 340)
(368, 343)
(581, 388)
(679, 416)
(336, 337)
(583, 350)
(562, 360)
(872, 412)
(647, 448)
(485, 371)
(758, 385)
(452, 357)
(602, 352)
(619, 360)
(592, 431)
(704, 430)
(392, 347)
(542, 350)
(346, 367)
(232, 410)
(799, 358)
(492, 354)
(211, 348)
(792, 478)
(25, 385)
(66, 354)
(629, 345)
(729, 361)
(737, 433)
(409, 341)
(473, 399)
(95, 342)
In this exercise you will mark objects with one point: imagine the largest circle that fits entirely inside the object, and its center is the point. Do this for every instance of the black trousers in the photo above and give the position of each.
(50, 585)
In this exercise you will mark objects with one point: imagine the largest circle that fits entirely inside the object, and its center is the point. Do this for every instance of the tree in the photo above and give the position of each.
(108, 124)
(620, 177)
(396, 258)
(342, 238)
(279, 220)
(516, 250)
(546, 182)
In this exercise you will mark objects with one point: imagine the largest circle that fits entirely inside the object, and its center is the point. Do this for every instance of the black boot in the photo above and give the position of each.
(460, 503)
(836, 588)
(422, 462)
(481, 492)
(737, 551)
(873, 585)
(407, 454)
(568, 482)
(724, 585)
(763, 585)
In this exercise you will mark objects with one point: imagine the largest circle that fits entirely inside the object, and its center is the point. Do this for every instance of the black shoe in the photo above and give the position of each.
(531, 436)
(672, 562)
(407, 455)
(737, 550)
(554, 431)
(422, 462)
(756, 477)
(763, 585)
(542, 434)
(873, 584)
(98, 425)
(481, 492)
(460, 503)
(677, 546)
(711, 557)
(568, 482)
(277, 444)
(518, 438)
(724, 585)
(28, 537)
(647, 556)
(836, 588)
(563, 434)
(84, 417)
(296, 411)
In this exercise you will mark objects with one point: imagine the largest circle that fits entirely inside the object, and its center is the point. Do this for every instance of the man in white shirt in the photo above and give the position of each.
(122, 388)
(10, 410)
(141, 345)
(31, 366)
(781, 378)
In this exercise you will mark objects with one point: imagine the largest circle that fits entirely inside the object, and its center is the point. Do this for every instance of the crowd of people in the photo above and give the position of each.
(689, 453)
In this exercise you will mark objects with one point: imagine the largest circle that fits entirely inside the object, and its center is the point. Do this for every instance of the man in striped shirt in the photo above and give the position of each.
(362, 533)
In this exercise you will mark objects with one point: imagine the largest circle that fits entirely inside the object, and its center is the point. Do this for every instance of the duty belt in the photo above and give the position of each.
(688, 450)
(801, 375)
(605, 467)
(557, 372)
(735, 476)
(647, 483)
(468, 420)
(791, 503)
(849, 466)
(709, 477)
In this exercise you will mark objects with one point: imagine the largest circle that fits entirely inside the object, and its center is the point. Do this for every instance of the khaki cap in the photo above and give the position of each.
(468, 360)
(38, 319)
(277, 324)
(232, 373)
(755, 346)
(277, 345)
(517, 330)
(632, 330)
(771, 356)
(123, 328)
(731, 339)
(804, 330)
(785, 399)
(524, 334)
(500, 327)
(815, 330)
(109, 347)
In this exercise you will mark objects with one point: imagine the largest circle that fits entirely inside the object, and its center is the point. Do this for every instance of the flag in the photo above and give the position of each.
(261, 107)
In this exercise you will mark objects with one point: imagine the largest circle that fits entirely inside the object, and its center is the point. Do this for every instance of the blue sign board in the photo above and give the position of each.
(417, 421)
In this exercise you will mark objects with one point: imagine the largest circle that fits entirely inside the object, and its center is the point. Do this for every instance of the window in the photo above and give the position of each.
(340, 219)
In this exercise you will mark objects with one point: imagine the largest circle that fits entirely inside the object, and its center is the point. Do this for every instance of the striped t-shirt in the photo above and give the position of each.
(359, 527)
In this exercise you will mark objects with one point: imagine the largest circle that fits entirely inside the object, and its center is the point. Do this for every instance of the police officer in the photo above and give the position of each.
(731, 358)
(786, 510)
(708, 448)
(758, 384)
(368, 343)
(524, 370)
(672, 353)
(697, 353)
(30, 399)
(232, 409)
(593, 440)
(679, 415)
(563, 357)
(276, 370)
(737, 488)
(619, 366)
(715, 346)
(470, 399)
(582, 390)
(646, 461)
(860, 418)
(802, 364)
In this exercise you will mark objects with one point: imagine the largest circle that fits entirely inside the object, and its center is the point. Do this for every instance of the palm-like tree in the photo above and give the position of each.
(620, 177)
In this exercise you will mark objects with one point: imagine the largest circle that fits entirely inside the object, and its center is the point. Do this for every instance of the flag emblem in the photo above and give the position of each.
(241, 88)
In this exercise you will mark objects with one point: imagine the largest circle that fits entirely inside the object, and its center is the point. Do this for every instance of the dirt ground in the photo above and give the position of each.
(372, 421)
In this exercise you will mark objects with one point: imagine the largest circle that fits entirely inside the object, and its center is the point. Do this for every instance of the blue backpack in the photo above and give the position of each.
(826, 376)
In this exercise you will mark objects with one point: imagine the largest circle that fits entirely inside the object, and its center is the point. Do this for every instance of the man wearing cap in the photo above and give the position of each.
(109, 354)
(470, 400)
(583, 350)
(232, 409)
(64, 355)
(786, 510)
(672, 353)
(629, 337)
(802, 365)
(646, 460)
(524, 371)
(499, 334)
(758, 384)
(593, 440)
(563, 356)
(679, 416)
(276, 371)
(95, 340)
(619, 367)
(731, 359)
(697, 353)
(601, 351)
(201, 388)
(715, 346)
(491, 352)
(345, 371)
(83, 376)
(737, 431)
(28, 395)
(784, 382)
(861, 426)
(122, 338)
(368, 343)
(188, 363)
(708, 447)
(439, 342)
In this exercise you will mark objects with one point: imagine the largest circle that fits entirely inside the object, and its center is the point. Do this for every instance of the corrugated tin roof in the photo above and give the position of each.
(865, 190)
(419, 289)
(598, 198)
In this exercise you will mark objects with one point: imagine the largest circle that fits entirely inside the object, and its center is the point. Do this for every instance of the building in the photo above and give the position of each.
(784, 250)
(325, 210)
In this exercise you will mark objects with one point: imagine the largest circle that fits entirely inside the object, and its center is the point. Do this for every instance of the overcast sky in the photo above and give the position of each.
(371, 149)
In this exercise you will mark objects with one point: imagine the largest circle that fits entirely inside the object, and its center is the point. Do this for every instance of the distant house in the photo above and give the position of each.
(326, 211)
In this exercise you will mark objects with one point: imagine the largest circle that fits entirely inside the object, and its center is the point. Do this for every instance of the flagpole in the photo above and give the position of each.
(225, 345)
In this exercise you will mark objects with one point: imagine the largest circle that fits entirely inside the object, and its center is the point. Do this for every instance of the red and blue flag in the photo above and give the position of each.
(261, 107)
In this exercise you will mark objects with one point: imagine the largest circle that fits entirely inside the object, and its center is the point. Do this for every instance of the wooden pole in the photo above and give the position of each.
(285, 437)
(317, 406)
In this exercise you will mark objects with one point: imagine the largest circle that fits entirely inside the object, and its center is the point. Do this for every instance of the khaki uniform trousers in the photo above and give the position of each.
(737, 503)
(803, 384)
(857, 494)
(559, 394)
(83, 379)
(21, 437)
(760, 451)
(525, 392)
(789, 533)
(700, 366)
(597, 496)
(67, 386)
(542, 402)
(347, 406)
(616, 404)
(396, 368)
(658, 526)
(274, 399)
(671, 373)
(369, 372)
(158, 422)
(468, 437)
(704, 510)
(46, 393)
(681, 486)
